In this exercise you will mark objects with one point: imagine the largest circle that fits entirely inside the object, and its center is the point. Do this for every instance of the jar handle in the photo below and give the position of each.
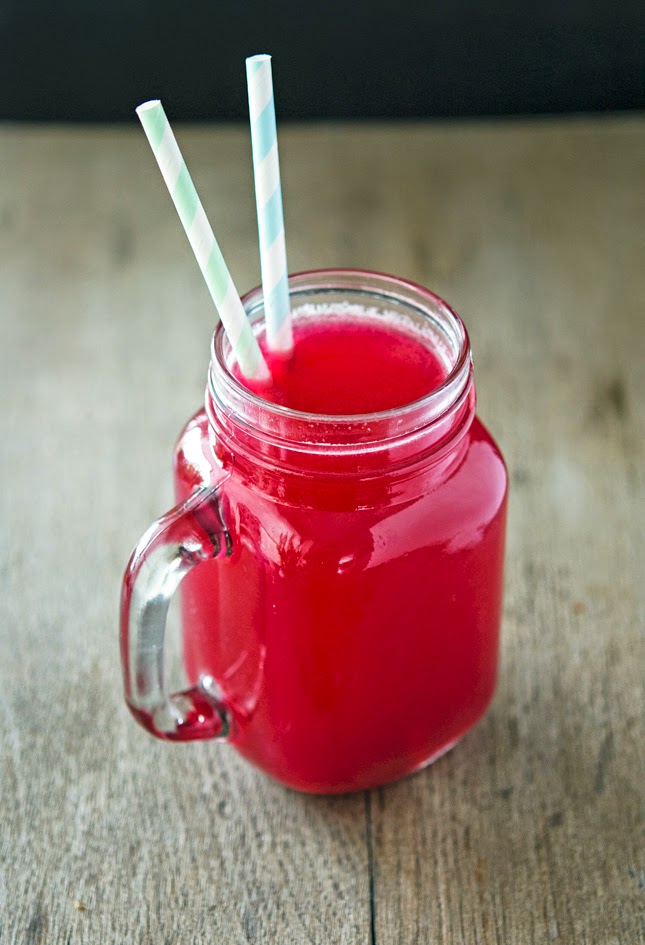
(189, 534)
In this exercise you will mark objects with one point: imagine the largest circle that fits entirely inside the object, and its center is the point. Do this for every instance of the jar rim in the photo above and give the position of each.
(379, 285)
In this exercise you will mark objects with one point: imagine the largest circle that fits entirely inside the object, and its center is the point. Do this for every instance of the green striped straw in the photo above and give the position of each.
(268, 198)
(204, 245)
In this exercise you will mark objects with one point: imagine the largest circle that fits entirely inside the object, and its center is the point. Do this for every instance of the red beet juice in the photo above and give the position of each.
(353, 632)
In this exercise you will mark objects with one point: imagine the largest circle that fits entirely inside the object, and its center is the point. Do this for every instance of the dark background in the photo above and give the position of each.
(80, 60)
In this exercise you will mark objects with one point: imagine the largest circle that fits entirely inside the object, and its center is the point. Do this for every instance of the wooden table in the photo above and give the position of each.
(530, 830)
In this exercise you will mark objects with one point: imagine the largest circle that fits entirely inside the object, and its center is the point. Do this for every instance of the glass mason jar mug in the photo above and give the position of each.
(341, 575)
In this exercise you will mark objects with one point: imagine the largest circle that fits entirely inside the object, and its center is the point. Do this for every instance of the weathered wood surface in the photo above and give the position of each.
(530, 831)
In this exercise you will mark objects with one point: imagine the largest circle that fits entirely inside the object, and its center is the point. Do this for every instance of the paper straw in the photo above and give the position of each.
(268, 198)
(204, 245)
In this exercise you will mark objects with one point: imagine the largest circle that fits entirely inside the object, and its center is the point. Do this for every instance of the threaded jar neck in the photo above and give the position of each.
(361, 445)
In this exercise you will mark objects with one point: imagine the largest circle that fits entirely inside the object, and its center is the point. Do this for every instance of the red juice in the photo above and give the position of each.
(346, 366)
(353, 632)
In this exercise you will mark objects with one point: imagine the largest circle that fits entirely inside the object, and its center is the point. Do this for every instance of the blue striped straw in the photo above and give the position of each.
(204, 245)
(268, 198)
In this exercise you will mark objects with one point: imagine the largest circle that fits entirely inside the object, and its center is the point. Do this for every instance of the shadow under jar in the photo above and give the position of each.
(341, 575)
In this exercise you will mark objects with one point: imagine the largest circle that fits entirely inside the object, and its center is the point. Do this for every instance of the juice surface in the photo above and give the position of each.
(346, 366)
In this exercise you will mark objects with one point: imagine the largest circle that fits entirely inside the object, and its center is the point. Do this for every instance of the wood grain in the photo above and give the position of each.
(531, 830)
